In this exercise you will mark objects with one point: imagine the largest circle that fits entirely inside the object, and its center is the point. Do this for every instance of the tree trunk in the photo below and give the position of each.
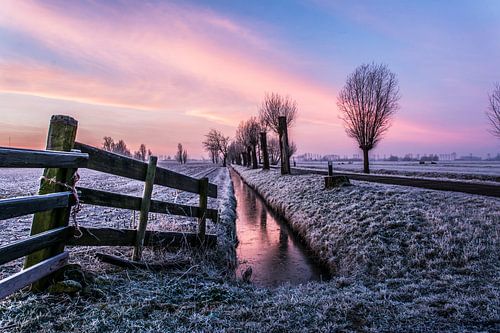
(283, 135)
(366, 163)
(255, 163)
(265, 154)
(224, 158)
(244, 158)
(249, 156)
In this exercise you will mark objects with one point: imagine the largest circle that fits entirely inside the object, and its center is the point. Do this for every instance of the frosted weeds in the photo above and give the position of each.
(397, 237)
(451, 284)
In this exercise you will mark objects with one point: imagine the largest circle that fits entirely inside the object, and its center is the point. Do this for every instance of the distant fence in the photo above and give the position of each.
(433, 184)
(52, 207)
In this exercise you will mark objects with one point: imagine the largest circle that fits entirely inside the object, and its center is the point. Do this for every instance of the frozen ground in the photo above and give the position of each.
(207, 298)
(426, 248)
(462, 170)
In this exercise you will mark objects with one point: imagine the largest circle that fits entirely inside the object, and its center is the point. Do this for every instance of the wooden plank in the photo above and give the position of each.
(14, 207)
(24, 247)
(126, 237)
(28, 158)
(114, 260)
(202, 220)
(115, 200)
(145, 204)
(433, 184)
(32, 274)
(123, 166)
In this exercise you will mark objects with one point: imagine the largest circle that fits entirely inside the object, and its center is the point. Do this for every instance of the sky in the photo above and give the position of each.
(163, 72)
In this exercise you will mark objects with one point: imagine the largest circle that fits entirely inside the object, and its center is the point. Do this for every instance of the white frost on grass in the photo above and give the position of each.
(440, 245)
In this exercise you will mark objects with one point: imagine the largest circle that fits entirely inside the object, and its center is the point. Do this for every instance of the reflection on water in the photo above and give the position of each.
(267, 244)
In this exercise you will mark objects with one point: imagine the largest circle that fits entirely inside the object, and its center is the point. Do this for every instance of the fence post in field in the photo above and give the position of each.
(145, 205)
(330, 168)
(202, 220)
(265, 153)
(61, 136)
(283, 137)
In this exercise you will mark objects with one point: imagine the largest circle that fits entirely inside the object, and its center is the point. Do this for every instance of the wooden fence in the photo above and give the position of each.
(51, 231)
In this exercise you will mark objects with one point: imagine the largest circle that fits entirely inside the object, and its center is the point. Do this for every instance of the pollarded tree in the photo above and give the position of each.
(493, 112)
(367, 103)
(273, 107)
(248, 135)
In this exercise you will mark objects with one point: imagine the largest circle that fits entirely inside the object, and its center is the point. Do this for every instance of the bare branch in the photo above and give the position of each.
(493, 112)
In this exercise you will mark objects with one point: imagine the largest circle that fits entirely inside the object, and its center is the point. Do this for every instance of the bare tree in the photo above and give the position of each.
(216, 143)
(108, 143)
(234, 152)
(273, 148)
(292, 149)
(275, 106)
(184, 156)
(121, 148)
(244, 135)
(493, 112)
(367, 103)
(141, 153)
(179, 156)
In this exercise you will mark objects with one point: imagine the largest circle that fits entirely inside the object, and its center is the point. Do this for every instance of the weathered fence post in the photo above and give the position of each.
(265, 153)
(335, 181)
(202, 220)
(61, 136)
(283, 136)
(145, 205)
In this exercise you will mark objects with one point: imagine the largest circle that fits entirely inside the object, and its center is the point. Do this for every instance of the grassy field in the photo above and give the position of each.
(416, 261)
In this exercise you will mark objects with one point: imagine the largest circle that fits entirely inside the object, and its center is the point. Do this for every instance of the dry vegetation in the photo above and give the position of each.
(401, 266)
(437, 252)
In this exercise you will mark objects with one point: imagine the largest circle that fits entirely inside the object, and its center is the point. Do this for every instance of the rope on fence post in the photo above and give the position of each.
(145, 205)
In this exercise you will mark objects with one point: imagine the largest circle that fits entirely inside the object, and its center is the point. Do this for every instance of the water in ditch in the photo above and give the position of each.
(268, 245)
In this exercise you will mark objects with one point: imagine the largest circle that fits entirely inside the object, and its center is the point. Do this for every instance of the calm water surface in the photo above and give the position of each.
(267, 244)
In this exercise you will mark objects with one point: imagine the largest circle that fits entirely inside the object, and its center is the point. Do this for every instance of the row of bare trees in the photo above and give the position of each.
(251, 144)
(121, 148)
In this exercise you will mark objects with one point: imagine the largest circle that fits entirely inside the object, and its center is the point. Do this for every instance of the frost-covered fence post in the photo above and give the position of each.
(61, 137)
(335, 181)
(283, 137)
(202, 219)
(145, 205)
(265, 153)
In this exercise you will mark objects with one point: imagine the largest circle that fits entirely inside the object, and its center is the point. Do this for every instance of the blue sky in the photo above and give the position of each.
(199, 65)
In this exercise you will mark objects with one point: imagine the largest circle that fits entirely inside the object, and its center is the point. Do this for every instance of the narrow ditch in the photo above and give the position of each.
(268, 245)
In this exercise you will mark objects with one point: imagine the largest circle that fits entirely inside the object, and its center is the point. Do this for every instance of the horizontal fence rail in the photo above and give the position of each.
(28, 158)
(30, 275)
(14, 207)
(127, 237)
(433, 184)
(123, 166)
(116, 200)
(27, 246)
